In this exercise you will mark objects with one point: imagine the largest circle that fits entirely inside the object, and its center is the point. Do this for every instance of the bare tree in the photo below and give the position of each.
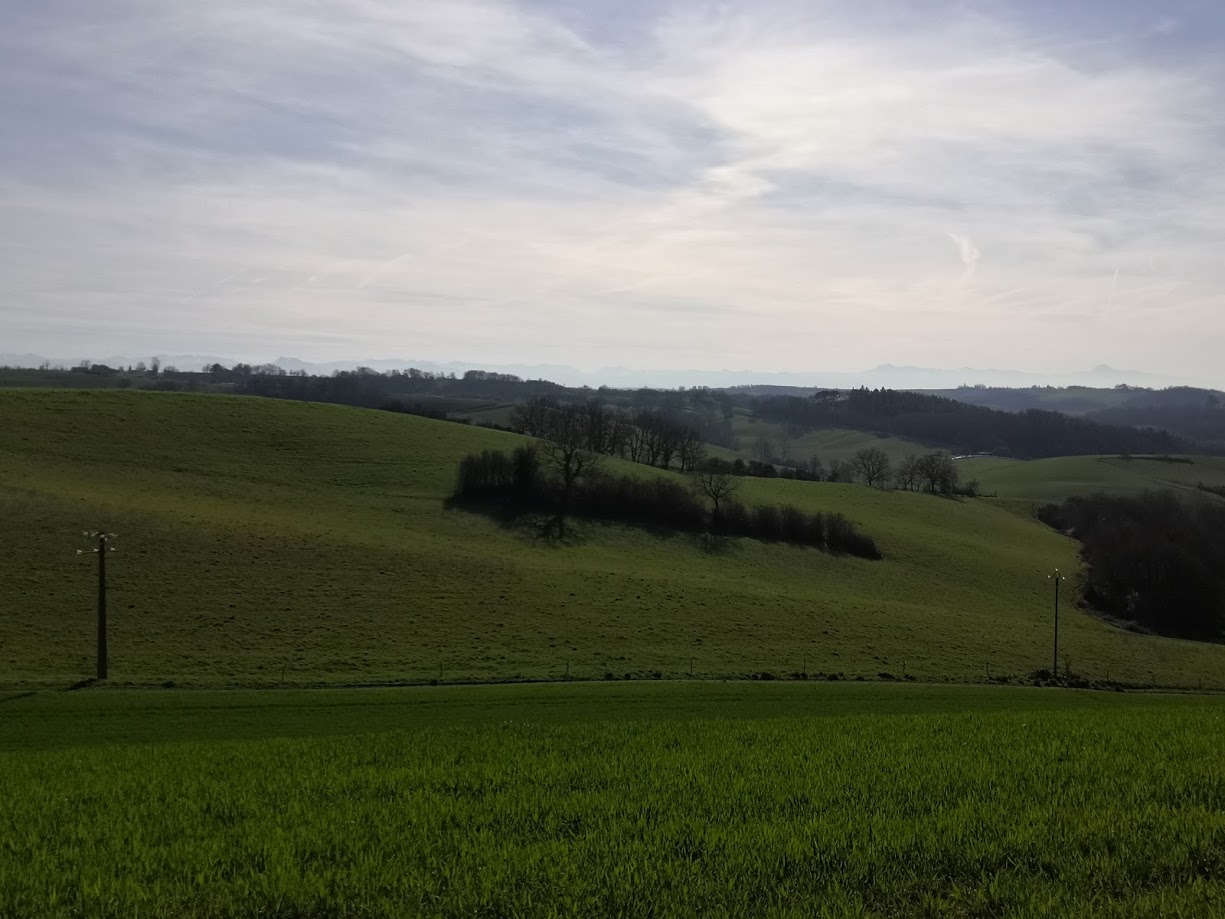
(717, 486)
(784, 443)
(565, 452)
(640, 441)
(619, 435)
(938, 472)
(763, 449)
(691, 450)
(598, 422)
(872, 465)
(534, 416)
(907, 474)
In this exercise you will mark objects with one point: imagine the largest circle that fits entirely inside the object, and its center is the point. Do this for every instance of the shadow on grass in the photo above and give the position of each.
(543, 529)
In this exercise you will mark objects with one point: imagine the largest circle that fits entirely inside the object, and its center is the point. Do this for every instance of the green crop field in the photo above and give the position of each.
(264, 542)
(1061, 477)
(613, 799)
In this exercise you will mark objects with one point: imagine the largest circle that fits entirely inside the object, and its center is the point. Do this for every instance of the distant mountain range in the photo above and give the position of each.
(886, 375)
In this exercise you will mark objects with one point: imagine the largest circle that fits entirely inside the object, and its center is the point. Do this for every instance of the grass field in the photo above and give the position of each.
(263, 542)
(617, 799)
(1061, 477)
(827, 444)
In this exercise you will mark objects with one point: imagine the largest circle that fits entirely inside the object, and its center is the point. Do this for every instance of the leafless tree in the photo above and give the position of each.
(534, 416)
(785, 438)
(717, 486)
(691, 449)
(872, 465)
(640, 441)
(599, 422)
(907, 473)
(938, 472)
(565, 452)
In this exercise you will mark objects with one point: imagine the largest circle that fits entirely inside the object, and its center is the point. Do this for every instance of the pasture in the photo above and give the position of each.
(1054, 480)
(266, 543)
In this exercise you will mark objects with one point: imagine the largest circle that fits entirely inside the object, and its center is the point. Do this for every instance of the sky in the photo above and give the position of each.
(776, 185)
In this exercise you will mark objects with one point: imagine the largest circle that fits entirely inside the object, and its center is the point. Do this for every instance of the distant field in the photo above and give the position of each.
(1061, 477)
(265, 541)
(499, 415)
(656, 799)
(828, 444)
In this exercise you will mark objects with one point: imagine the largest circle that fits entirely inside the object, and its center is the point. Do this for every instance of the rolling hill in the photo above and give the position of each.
(1061, 477)
(830, 445)
(266, 541)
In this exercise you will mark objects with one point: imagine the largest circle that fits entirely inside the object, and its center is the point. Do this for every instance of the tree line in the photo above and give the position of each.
(1152, 560)
(935, 472)
(1195, 413)
(564, 481)
(964, 428)
(650, 437)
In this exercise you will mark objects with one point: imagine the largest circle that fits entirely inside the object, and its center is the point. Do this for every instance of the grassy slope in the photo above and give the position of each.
(259, 537)
(1061, 477)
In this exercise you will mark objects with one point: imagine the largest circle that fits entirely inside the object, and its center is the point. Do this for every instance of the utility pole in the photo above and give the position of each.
(103, 546)
(1056, 577)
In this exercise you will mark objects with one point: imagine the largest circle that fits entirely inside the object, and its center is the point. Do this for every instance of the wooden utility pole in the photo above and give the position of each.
(101, 606)
(103, 546)
(1056, 577)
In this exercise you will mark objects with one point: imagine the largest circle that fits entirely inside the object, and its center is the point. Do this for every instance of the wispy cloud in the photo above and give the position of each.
(713, 185)
(969, 255)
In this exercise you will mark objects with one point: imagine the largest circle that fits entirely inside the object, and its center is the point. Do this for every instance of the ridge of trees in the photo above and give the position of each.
(1153, 560)
(649, 436)
(1183, 411)
(965, 428)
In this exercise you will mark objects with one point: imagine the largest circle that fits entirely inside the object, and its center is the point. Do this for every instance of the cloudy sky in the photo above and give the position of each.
(776, 185)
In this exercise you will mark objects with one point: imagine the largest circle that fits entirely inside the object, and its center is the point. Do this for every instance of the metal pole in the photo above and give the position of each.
(101, 606)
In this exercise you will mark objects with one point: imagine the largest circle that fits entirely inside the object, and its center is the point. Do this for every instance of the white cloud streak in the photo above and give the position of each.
(720, 186)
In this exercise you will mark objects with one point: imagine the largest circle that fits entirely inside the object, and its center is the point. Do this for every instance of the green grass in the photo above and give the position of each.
(47, 720)
(264, 541)
(1060, 478)
(827, 444)
(793, 800)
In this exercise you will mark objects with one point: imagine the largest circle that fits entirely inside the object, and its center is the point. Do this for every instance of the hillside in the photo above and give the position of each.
(829, 445)
(262, 540)
(1062, 477)
(1184, 411)
(967, 429)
